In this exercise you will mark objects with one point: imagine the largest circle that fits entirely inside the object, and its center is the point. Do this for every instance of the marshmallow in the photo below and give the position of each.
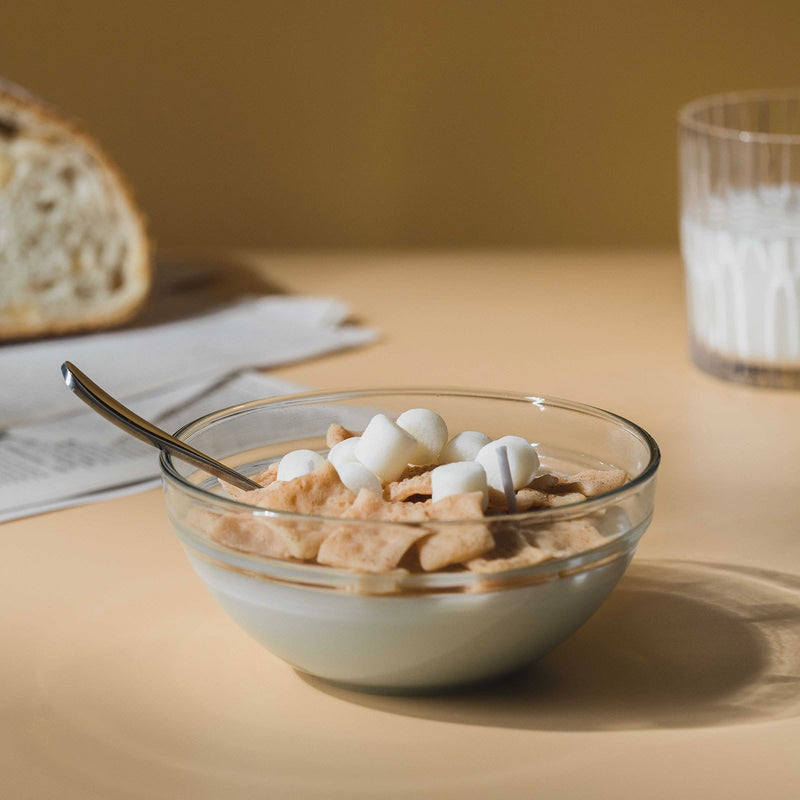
(459, 477)
(384, 448)
(523, 461)
(356, 476)
(343, 452)
(297, 463)
(463, 446)
(430, 431)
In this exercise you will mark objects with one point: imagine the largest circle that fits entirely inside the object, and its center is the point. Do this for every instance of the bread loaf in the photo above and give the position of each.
(74, 253)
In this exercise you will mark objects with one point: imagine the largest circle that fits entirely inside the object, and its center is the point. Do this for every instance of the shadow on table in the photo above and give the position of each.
(677, 644)
(190, 286)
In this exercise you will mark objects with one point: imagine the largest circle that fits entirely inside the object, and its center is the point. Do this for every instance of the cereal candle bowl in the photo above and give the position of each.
(383, 588)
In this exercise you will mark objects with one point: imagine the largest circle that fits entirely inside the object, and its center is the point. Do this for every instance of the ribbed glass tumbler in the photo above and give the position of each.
(740, 234)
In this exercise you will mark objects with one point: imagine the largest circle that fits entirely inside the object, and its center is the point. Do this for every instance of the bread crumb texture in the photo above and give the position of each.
(74, 253)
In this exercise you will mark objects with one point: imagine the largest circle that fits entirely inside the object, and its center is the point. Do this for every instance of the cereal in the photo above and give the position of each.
(369, 506)
(512, 550)
(376, 548)
(409, 485)
(396, 524)
(371, 548)
(253, 534)
(592, 482)
(456, 506)
(565, 538)
(453, 545)
(337, 433)
(528, 498)
(534, 498)
(320, 493)
(412, 471)
(265, 478)
(545, 482)
(525, 557)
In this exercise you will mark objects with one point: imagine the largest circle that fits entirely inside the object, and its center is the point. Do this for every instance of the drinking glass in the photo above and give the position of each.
(740, 234)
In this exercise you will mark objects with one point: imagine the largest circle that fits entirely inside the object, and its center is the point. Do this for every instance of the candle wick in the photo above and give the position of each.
(505, 476)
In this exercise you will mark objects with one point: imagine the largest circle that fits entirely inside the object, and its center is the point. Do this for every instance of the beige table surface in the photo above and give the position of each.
(121, 678)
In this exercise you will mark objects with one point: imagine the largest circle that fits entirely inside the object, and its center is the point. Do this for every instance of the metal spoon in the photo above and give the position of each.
(105, 405)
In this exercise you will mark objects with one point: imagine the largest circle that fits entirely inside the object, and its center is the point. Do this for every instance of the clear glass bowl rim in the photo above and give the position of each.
(687, 121)
(316, 574)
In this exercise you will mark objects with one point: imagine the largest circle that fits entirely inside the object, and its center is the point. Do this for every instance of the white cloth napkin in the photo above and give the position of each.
(56, 453)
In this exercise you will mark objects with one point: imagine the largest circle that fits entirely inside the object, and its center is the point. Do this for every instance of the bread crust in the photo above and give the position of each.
(20, 99)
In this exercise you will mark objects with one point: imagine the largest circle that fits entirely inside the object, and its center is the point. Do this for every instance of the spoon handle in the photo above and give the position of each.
(110, 408)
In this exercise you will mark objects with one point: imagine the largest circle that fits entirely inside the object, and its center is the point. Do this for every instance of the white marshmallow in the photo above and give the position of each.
(384, 448)
(344, 452)
(523, 461)
(459, 477)
(463, 446)
(430, 431)
(356, 476)
(297, 463)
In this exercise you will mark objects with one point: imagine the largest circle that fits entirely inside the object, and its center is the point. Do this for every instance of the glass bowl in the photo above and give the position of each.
(404, 631)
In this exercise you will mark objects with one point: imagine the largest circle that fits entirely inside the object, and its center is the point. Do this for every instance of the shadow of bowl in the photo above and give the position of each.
(677, 644)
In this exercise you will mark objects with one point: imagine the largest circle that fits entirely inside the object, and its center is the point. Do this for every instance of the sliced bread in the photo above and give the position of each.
(74, 253)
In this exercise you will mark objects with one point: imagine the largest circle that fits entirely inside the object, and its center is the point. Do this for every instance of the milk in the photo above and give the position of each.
(404, 643)
(742, 257)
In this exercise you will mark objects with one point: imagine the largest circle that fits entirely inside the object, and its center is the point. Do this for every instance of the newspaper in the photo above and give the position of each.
(55, 453)
(84, 458)
(256, 332)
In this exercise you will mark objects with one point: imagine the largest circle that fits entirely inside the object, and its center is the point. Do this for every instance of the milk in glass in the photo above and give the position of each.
(742, 257)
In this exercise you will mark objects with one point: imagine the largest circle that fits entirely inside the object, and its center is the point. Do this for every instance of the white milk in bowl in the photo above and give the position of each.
(742, 257)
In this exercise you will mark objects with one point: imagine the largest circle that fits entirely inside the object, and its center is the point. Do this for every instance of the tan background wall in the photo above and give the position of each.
(363, 123)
